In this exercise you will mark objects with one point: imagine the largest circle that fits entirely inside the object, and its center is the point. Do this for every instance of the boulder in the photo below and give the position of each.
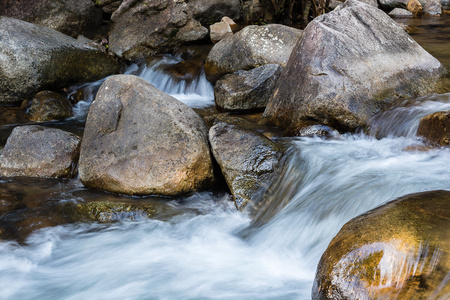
(109, 211)
(432, 7)
(212, 11)
(400, 250)
(108, 6)
(139, 141)
(218, 31)
(436, 128)
(415, 7)
(248, 160)
(143, 28)
(391, 4)
(250, 48)
(36, 151)
(71, 17)
(350, 64)
(35, 58)
(400, 12)
(245, 90)
(48, 106)
(234, 27)
(373, 3)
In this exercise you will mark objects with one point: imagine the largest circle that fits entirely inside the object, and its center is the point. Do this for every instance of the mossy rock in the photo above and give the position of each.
(106, 211)
(399, 250)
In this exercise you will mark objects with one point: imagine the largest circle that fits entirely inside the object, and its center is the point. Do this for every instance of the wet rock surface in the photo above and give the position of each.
(139, 140)
(245, 90)
(349, 64)
(48, 106)
(35, 58)
(398, 250)
(251, 47)
(71, 17)
(436, 128)
(248, 160)
(38, 151)
(143, 28)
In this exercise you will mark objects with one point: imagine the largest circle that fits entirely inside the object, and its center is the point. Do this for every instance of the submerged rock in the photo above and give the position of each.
(252, 47)
(139, 140)
(436, 128)
(108, 211)
(48, 106)
(400, 250)
(349, 64)
(310, 129)
(244, 90)
(35, 58)
(37, 151)
(248, 161)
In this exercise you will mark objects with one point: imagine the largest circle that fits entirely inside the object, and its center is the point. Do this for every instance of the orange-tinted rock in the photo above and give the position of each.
(415, 7)
(436, 128)
(400, 250)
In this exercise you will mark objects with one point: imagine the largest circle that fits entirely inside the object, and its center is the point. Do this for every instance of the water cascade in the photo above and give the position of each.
(201, 247)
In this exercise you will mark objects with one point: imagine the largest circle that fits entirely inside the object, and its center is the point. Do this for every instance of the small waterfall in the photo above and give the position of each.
(403, 118)
(196, 91)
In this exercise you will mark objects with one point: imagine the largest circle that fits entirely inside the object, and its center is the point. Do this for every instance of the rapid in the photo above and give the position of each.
(202, 248)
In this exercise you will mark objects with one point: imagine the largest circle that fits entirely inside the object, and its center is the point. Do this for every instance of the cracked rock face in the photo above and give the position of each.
(139, 141)
(247, 159)
(349, 64)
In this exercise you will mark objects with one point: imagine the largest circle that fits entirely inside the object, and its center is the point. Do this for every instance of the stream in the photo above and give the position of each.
(199, 246)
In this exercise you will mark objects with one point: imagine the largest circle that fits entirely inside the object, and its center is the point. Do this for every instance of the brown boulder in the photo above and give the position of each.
(400, 250)
(139, 140)
(436, 128)
(48, 106)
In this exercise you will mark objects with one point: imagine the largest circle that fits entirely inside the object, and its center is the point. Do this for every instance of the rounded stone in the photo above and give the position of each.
(139, 140)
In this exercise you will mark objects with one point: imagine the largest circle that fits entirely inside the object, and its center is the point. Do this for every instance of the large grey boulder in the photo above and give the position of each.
(35, 58)
(350, 64)
(37, 151)
(139, 140)
(400, 250)
(142, 28)
(71, 17)
(252, 47)
(248, 160)
(244, 90)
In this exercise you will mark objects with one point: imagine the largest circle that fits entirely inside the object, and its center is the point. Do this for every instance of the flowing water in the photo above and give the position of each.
(199, 246)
